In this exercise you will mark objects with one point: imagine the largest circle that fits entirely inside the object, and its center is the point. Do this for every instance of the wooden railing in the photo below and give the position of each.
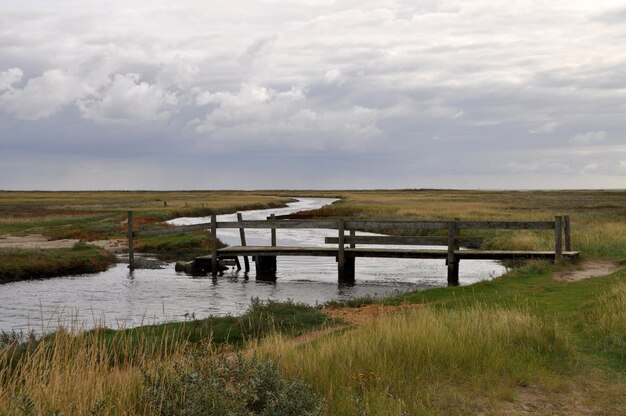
(452, 238)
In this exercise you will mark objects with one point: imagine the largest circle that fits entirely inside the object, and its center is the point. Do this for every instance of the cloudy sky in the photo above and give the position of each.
(148, 94)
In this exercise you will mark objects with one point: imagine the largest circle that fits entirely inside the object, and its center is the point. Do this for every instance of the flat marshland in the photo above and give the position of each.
(529, 342)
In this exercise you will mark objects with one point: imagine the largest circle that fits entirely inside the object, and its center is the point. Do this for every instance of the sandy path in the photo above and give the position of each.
(39, 241)
(589, 269)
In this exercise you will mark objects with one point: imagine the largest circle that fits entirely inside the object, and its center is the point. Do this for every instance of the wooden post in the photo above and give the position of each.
(214, 245)
(242, 236)
(341, 255)
(273, 220)
(558, 238)
(131, 243)
(352, 235)
(451, 261)
(568, 233)
(265, 268)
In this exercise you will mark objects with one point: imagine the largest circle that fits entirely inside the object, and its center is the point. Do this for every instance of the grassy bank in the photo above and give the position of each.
(184, 368)
(23, 264)
(522, 340)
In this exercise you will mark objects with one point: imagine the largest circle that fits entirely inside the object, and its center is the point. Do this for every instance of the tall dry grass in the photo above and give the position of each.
(427, 361)
(78, 374)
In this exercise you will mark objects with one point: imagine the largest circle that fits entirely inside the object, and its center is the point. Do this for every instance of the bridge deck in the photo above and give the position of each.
(408, 253)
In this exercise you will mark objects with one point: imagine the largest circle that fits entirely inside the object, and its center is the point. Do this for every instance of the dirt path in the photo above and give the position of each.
(39, 241)
(589, 269)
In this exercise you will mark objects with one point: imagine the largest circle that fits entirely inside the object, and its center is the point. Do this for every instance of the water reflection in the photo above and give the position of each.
(123, 298)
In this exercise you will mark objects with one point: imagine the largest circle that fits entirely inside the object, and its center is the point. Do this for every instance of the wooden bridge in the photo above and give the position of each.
(265, 256)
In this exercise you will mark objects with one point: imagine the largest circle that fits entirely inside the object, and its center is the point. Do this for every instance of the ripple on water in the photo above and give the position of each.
(121, 298)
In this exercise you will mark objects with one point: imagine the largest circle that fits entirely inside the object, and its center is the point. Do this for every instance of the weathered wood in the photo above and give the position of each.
(352, 238)
(273, 229)
(214, 245)
(265, 268)
(171, 230)
(341, 257)
(361, 224)
(347, 277)
(558, 238)
(390, 253)
(506, 225)
(131, 243)
(242, 236)
(451, 260)
(568, 233)
(280, 224)
(408, 241)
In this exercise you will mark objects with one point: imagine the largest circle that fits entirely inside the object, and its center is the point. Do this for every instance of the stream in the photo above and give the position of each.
(121, 298)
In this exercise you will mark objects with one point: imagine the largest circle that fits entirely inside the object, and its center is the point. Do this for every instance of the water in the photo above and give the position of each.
(121, 298)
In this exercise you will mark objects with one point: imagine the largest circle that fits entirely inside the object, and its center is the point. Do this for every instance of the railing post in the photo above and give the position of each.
(568, 233)
(558, 239)
(242, 236)
(451, 261)
(341, 255)
(131, 243)
(214, 245)
(273, 224)
(352, 235)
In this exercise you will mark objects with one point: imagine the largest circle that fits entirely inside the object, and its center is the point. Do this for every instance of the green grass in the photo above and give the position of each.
(22, 264)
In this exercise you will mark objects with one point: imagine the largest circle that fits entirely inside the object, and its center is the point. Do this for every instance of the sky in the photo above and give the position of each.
(312, 94)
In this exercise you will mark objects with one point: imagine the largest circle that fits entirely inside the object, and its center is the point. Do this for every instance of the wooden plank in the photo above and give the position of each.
(395, 225)
(568, 233)
(391, 253)
(400, 240)
(214, 245)
(341, 257)
(451, 260)
(171, 230)
(280, 224)
(506, 225)
(242, 236)
(273, 229)
(558, 238)
(131, 243)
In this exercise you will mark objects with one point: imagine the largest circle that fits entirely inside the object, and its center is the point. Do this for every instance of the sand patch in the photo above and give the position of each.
(34, 241)
(589, 269)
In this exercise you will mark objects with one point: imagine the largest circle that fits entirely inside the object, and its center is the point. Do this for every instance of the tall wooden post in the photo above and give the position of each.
(273, 221)
(568, 233)
(452, 261)
(131, 243)
(558, 238)
(242, 236)
(352, 235)
(341, 254)
(214, 245)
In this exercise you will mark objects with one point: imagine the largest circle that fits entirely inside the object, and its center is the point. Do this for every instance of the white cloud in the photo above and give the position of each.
(43, 96)
(333, 76)
(127, 98)
(10, 77)
(548, 127)
(589, 138)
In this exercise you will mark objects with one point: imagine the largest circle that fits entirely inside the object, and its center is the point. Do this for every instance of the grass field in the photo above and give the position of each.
(523, 343)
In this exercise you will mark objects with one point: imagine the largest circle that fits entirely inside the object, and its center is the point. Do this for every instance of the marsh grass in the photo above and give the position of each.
(140, 370)
(412, 362)
(21, 264)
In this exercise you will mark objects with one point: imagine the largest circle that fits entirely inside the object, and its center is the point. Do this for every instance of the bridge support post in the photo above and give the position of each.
(265, 268)
(347, 276)
(452, 260)
(131, 243)
(213, 245)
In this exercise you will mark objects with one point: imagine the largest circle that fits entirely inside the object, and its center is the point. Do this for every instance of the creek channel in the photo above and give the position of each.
(120, 298)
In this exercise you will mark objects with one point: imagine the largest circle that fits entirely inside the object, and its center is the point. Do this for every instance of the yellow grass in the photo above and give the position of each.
(426, 361)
